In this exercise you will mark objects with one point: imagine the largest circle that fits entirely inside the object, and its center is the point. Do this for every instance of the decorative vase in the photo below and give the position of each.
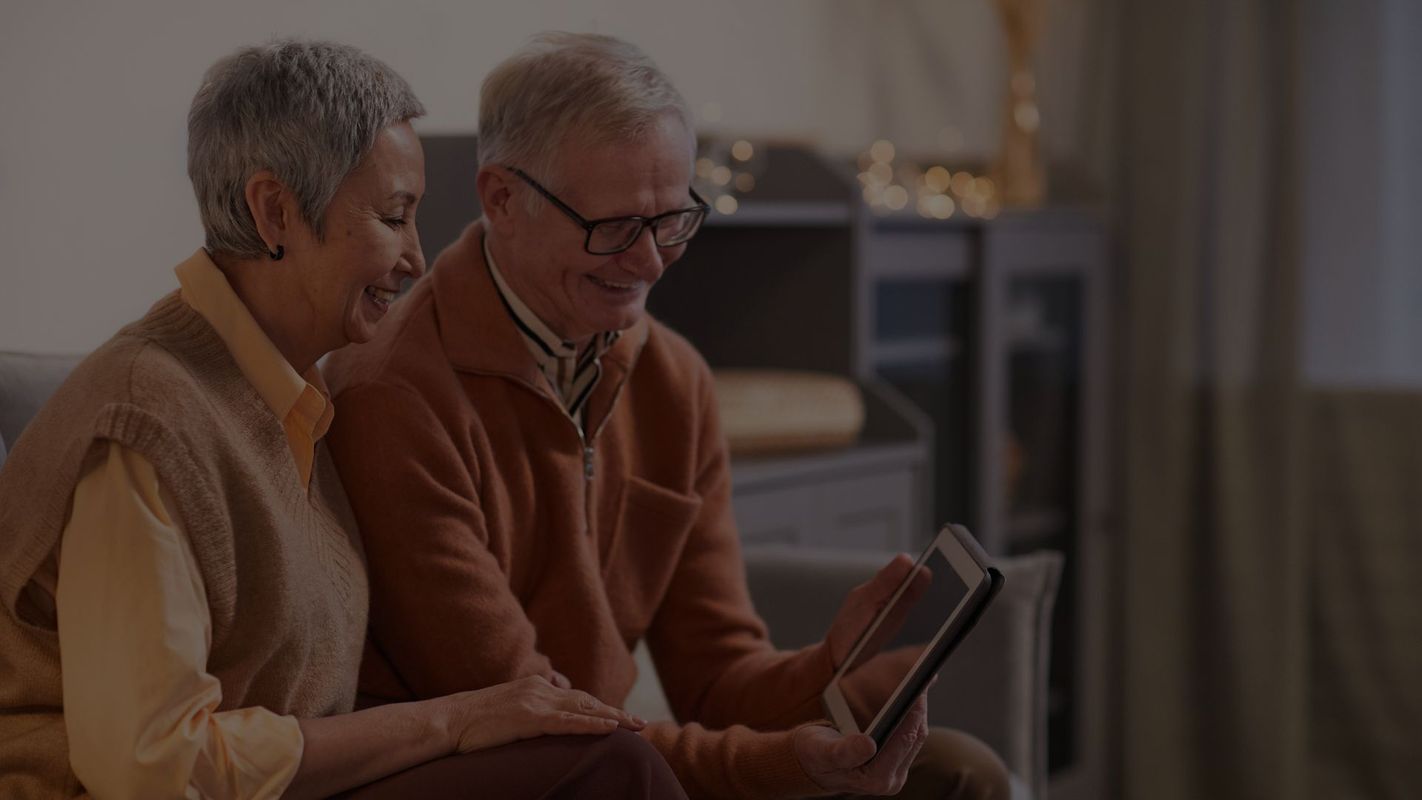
(1019, 173)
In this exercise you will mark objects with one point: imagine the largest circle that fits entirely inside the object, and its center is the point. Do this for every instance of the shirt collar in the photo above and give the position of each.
(547, 347)
(281, 387)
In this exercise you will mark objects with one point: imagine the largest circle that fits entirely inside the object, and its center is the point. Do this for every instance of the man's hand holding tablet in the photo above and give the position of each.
(936, 604)
(902, 623)
(848, 764)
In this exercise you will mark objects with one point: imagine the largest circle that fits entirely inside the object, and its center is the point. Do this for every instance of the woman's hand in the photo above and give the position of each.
(523, 709)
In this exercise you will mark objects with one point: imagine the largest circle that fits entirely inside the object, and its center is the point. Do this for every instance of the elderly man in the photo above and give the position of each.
(538, 471)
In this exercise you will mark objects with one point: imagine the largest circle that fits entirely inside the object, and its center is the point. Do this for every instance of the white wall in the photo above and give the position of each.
(94, 201)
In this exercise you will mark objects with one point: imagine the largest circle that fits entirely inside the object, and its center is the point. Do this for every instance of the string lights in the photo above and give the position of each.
(727, 172)
(936, 192)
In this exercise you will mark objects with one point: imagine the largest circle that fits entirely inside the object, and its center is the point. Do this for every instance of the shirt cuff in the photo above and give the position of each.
(251, 753)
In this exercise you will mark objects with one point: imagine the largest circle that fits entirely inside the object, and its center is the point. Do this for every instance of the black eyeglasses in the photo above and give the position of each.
(612, 235)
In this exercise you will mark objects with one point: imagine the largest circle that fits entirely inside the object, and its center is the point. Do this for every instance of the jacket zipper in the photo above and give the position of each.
(587, 442)
(589, 452)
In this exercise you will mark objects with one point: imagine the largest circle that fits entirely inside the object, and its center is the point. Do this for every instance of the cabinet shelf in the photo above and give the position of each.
(1019, 298)
(809, 214)
(920, 254)
(770, 471)
(929, 349)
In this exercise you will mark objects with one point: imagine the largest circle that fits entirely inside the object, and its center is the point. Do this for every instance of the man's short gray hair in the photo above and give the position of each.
(308, 111)
(563, 84)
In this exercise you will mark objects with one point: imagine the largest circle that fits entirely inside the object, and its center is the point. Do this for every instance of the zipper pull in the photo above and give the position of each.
(588, 463)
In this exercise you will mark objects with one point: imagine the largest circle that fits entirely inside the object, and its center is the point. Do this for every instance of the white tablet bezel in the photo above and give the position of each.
(974, 576)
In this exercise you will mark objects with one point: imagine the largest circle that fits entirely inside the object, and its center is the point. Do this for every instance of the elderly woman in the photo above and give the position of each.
(171, 529)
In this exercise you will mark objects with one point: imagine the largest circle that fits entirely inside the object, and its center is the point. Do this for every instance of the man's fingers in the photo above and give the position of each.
(889, 770)
(896, 570)
(907, 738)
(852, 751)
(561, 681)
(918, 586)
(888, 578)
(825, 751)
(875, 592)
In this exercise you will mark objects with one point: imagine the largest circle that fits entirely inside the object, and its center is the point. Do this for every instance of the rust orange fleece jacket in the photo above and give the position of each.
(501, 544)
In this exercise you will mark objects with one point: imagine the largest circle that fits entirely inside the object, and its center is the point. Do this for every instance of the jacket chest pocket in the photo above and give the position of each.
(652, 526)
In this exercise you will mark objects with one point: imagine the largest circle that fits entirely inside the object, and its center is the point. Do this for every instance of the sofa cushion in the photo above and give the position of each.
(994, 686)
(26, 382)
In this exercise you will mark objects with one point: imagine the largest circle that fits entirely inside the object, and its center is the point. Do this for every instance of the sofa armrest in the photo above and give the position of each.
(994, 686)
(26, 382)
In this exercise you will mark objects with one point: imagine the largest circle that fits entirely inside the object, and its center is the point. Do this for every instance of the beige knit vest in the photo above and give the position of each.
(286, 584)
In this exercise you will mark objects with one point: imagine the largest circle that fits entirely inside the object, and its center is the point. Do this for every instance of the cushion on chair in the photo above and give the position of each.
(26, 382)
(994, 686)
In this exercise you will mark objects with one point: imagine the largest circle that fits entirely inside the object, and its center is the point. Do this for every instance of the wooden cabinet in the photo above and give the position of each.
(994, 329)
(985, 336)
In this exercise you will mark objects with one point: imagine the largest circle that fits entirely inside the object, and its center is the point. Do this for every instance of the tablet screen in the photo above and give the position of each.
(934, 592)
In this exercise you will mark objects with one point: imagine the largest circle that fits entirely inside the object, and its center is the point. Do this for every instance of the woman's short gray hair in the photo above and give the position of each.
(308, 111)
(561, 84)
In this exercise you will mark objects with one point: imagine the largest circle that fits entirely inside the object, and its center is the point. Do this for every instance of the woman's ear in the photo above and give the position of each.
(496, 197)
(273, 208)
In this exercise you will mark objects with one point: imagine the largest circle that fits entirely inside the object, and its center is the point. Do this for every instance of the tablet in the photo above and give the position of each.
(904, 646)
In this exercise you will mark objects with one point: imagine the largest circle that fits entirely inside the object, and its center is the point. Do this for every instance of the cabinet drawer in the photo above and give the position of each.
(774, 516)
(871, 512)
(866, 513)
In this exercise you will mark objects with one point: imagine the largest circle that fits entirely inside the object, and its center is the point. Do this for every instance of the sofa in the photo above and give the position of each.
(995, 686)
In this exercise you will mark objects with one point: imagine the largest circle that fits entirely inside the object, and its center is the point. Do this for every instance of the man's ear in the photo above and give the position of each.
(496, 196)
(272, 206)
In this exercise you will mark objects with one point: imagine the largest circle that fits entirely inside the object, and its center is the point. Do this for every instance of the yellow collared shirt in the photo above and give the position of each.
(134, 627)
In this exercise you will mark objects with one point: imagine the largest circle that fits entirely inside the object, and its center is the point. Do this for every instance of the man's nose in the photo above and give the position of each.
(644, 258)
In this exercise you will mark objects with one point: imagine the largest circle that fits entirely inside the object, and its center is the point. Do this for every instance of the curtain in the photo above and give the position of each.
(1272, 617)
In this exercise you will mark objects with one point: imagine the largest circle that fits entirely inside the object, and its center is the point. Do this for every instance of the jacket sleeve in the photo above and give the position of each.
(442, 616)
(712, 651)
(734, 762)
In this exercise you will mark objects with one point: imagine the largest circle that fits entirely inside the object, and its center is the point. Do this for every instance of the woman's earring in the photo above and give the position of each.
(280, 251)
